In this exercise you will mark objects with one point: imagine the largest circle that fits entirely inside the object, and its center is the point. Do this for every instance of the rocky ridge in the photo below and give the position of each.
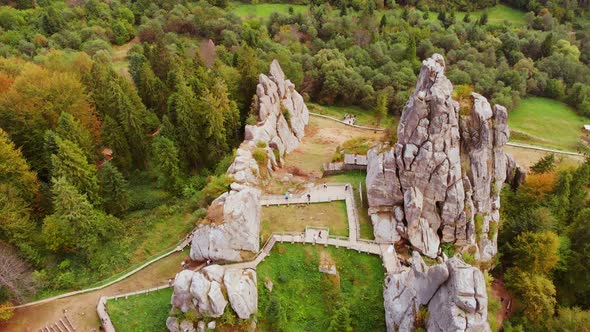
(440, 184)
(282, 116)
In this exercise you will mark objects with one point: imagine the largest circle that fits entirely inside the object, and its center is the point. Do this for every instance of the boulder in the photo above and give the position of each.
(461, 303)
(172, 324)
(216, 300)
(187, 326)
(239, 230)
(405, 292)
(242, 291)
(181, 298)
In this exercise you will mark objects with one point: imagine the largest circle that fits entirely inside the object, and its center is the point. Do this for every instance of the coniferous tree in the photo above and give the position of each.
(114, 138)
(113, 189)
(75, 226)
(69, 162)
(69, 128)
(18, 190)
(341, 321)
(190, 123)
(165, 165)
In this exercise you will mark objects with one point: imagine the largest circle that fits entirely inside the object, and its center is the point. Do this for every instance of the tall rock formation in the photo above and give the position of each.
(439, 184)
(282, 117)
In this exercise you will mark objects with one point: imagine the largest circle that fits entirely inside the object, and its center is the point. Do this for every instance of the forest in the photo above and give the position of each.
(93, 141)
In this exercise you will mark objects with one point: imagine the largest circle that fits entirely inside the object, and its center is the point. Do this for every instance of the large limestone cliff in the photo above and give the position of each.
(282, 116)
(440, 184)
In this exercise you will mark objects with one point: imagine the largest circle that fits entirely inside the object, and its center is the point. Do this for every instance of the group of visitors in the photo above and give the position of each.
(350, 119)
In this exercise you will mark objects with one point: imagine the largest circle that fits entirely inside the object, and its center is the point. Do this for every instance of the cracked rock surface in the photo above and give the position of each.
(440, 183)
(208, 292)
(282, 117)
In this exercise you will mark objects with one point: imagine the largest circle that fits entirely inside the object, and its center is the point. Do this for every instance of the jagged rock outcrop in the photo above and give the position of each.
(441, 182)
(242, 291)
(461, 303)
(405, 292)
(238, 231)
(282, 116)
(454, 293)
(208, 292)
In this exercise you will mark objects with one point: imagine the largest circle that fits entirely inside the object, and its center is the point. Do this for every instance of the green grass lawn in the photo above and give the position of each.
(308, 298)
(294, 218)
(355, 178)
(546, 122)
(496, 15)
(363, 117)
(146, 312)
(264, 10)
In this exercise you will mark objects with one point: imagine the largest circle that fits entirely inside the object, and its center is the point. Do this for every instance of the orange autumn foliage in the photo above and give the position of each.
(539, 185)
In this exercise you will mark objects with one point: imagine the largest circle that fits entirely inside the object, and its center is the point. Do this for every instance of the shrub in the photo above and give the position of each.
(468, 258)
(545, 164)
(261, 144)
(252, 119)
(216, 186)
(421, 317)
(478, 220)
(449, 249)
(493, 229)
(286, 114)
(260, 156)
(277, 154)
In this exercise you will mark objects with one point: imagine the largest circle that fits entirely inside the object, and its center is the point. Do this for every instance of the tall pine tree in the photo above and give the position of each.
(113, 189)
(69, 162)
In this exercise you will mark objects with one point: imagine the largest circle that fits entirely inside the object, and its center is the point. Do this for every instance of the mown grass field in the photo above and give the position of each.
(355, 179)
(496, 15)
(546, 122)
(141, 313)
(294, 218)
(264, 10)
(363, 117)
(308, 299)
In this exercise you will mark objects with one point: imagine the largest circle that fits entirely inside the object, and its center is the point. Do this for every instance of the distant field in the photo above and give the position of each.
(265, 9)
(363, 117)
(308, 298)
(141, 313)
(496, 15)
(546, 122)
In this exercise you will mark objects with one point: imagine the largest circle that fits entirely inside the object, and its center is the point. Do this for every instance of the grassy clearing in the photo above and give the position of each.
(356, 178)
(294, 218)
(264, 10)
(546, 122)
(363, 117)
(146, 312)
(308, 298)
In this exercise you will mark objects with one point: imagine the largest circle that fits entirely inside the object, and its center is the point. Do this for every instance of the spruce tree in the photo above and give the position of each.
(113, 189)
(114, 138)
(69, 162)
(165, 165)
(69, 128)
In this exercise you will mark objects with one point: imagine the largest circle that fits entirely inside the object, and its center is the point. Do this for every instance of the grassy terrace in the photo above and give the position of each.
(141, 313)
(308, 299)
(546, 122)
(294, 218)
(354, 178)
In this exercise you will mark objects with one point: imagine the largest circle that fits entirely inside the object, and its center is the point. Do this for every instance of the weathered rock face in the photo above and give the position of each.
(282, 116)
(239, 230)
(454, 293)
(204, 292)
(461, 304)
(441, 182)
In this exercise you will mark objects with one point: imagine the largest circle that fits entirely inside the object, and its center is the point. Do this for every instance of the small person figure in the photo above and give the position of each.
(308, 198)
(325, 186)
(320, 234)
(182, 264)
(287, 198)
(315, 238)
(170, 282)
(346, 187)
(208, 262)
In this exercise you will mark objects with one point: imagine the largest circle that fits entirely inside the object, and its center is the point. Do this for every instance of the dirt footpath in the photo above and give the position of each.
(82, 308)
